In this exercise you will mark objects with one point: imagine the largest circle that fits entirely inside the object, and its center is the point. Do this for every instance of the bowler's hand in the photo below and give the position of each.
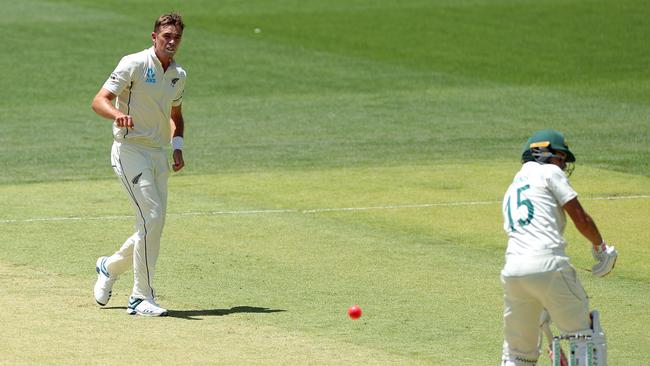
(179, 163)
(124, 121)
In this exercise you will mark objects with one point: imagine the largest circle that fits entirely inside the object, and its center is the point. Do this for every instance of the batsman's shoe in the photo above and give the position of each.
(104, 285)
(145, 307)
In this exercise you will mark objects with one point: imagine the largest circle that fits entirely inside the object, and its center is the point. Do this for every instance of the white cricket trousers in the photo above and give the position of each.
(526, 297)
(143, 173)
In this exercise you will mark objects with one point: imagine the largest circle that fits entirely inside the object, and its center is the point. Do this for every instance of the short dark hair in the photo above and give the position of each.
(174, 19)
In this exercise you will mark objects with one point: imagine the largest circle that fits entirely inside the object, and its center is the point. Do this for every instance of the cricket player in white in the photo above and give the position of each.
(537, 274)
(148, 87)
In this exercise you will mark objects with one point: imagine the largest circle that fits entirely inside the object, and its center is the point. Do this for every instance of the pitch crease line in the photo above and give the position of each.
(306, 211)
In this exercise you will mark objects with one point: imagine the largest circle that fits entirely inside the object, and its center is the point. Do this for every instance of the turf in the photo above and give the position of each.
(348, 152)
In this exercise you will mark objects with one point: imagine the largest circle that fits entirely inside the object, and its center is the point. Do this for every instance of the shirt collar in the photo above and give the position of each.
(152, 53)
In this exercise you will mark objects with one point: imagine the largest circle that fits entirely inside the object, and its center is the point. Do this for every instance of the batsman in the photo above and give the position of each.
(538, 275)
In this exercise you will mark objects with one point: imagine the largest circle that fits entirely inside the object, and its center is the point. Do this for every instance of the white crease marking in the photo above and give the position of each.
(307, 211)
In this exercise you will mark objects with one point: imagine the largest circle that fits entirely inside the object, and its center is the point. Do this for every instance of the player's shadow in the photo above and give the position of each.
(196, 314)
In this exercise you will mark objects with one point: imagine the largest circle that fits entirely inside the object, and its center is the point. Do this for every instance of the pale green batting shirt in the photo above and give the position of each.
(146, 93)
(534, 219)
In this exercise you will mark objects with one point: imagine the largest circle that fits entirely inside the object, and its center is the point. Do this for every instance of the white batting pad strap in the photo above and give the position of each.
(177, 143)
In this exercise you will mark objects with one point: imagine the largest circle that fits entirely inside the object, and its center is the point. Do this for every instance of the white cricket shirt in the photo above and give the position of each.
(534, 219)
(147, 93)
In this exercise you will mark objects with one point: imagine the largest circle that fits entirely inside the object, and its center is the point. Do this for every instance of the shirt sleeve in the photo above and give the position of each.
(121, 77)
(559, 185)
(178, 98)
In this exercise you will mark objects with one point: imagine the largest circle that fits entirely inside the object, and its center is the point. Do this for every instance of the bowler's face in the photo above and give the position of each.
(167, 40)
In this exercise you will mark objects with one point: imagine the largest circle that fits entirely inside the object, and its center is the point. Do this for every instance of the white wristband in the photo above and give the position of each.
(177, 143)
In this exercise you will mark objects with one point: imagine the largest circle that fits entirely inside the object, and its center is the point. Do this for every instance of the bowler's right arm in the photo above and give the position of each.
(103, 105)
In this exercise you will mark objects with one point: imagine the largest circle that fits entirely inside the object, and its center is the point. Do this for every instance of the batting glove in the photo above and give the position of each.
(606, 256)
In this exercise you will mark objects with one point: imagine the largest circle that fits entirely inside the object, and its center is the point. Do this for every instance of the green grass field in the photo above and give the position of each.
(350, 152)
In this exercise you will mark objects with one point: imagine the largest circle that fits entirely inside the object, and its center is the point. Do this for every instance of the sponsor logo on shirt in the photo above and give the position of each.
(113, 76)
(174, 81)
(151, 76)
